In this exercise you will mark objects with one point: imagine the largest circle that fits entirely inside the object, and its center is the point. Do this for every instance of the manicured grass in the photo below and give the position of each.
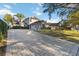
(71, 35)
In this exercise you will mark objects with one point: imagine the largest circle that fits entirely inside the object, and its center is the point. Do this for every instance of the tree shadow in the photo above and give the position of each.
(65, 49)
(3, 50)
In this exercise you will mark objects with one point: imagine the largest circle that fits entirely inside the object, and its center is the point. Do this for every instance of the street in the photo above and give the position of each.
(31, 43)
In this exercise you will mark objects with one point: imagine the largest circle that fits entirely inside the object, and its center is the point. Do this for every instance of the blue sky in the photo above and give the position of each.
(28, 9)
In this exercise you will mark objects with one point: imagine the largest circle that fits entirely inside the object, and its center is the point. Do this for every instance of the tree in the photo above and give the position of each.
(8, 18)
(50, 8)
(3, 29)
(60, 8)
(20, 16)
(74, 18)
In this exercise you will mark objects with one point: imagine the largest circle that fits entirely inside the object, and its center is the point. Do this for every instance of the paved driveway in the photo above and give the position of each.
(31, 43)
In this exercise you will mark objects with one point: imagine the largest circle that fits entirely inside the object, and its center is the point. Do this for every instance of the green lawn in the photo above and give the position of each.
(71, 35)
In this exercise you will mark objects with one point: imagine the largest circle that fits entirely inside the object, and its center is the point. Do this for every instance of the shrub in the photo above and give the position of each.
(1, 36)
(18, 27)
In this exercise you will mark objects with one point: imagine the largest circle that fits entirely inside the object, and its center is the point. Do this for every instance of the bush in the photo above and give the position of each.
(3, 29)
(1, 36)
(18, 27)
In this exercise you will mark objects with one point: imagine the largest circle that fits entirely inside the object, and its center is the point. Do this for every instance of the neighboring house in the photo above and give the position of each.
(36, 25)
(33, 23)
(52, 26)
(68, 26)
(22, 23)
(73, 27)
(17, 22)
(30, 20)
(47, 25)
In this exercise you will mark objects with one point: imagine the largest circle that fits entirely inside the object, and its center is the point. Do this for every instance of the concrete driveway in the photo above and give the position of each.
(31, 43)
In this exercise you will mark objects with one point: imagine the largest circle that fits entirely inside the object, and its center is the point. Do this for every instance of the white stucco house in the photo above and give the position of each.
(33, 23)
(36, 25)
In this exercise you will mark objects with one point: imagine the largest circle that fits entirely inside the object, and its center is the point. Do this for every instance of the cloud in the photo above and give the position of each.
(37, 9)
(7, 6)
(37, 13)
(40, 4)
(6, 11)
(49, 21)
(53, 20)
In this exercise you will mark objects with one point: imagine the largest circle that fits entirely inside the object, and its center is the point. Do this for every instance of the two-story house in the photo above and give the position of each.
(33, 23)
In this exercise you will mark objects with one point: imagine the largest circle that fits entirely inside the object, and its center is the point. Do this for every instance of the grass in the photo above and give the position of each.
(2, 40)
(70, 35)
